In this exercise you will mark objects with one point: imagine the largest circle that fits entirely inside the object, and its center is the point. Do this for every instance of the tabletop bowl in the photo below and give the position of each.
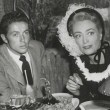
(19, 100)
(95, 105)
(66, 98)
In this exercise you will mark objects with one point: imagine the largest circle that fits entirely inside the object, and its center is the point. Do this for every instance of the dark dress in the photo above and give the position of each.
(89, 90)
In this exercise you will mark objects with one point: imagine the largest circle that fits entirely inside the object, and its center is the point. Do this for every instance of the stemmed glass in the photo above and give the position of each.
(47, 88)
(49, 99)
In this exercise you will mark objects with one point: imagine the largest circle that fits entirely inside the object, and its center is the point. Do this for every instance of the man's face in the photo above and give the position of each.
(18, 37)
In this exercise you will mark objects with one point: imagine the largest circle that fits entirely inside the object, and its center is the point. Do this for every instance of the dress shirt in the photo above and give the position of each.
(16, 58)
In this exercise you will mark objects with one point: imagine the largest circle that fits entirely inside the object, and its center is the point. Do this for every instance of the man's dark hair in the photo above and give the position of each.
(15, 16)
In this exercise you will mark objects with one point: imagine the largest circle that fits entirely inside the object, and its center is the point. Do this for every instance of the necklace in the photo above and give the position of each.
(95, 77)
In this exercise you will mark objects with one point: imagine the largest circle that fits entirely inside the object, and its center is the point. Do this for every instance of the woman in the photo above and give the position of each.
(82, 33)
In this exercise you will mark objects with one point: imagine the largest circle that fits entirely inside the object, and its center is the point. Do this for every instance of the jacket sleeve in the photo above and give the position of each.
(5, 90)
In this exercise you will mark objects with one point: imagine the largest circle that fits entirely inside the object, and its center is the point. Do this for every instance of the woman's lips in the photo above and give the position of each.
(23, 46)
(87, 47)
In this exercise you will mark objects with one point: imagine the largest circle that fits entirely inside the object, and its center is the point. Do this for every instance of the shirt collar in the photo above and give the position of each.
(15, 56)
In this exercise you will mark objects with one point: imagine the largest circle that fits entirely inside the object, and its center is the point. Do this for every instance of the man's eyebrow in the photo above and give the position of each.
(90, 29)
(76, 33)
(14, 32)
(27, 30)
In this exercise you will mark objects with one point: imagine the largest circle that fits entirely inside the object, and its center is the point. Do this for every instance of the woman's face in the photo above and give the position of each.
(87, 36)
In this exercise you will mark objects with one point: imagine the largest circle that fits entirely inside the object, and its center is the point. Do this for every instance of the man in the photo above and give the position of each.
(15, 32)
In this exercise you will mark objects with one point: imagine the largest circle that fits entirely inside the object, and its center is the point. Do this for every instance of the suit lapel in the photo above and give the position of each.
(34, 63)
(13, 70)
(11, 67)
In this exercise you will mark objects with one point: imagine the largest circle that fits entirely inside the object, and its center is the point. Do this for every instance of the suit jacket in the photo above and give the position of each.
(11, 77)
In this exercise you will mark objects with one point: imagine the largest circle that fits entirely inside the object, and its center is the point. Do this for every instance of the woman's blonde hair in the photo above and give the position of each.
(86, 14)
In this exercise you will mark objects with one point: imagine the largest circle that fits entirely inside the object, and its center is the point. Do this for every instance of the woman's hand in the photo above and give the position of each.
(74, 84)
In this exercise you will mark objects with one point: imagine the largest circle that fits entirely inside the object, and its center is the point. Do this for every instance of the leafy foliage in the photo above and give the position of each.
(41, 12)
